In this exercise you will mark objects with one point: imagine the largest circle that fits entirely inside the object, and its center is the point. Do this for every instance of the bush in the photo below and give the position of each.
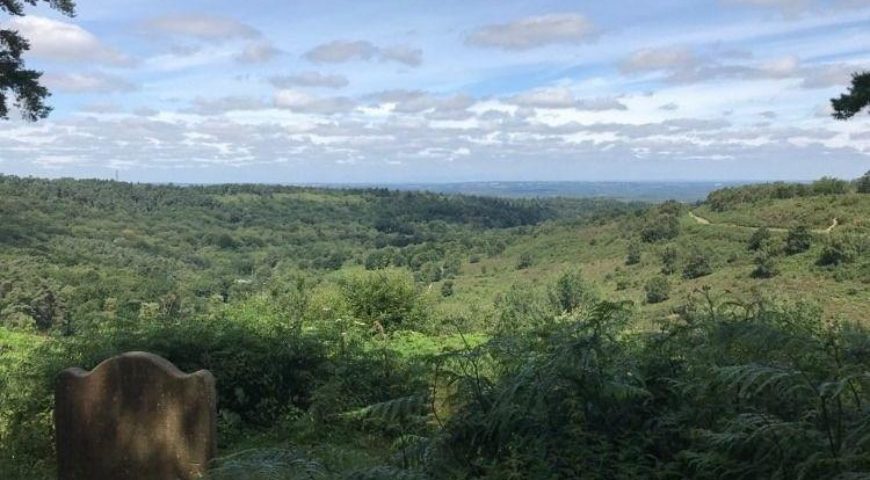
(862, 184)
(697, 266)
(764, 265)
(657, 290)
(633, 255)
(388, 297)
(571, 292)
(798, 240)
(660, 227)
(839, 250)
(525, 261)
(669, 260)
(758, 238)
(447, 288)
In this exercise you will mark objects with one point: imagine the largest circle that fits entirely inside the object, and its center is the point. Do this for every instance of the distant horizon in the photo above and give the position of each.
(436, 182)
(342, 91)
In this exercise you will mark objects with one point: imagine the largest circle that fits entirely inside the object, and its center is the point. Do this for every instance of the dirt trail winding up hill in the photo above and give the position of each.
(704, 221)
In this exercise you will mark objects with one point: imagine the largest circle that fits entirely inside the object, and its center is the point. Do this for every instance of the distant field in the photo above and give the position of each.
(600, 252)
(818, 212)
(641, 191)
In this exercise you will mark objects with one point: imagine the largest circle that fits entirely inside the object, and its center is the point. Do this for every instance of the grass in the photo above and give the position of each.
(850, 210)
(600, 251)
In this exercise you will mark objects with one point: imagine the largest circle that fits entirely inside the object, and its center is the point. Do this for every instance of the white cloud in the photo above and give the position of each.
(158, 148)
(791, 6)
(202, 26)
(102, 108)
(341, 51)
(403, 54)
(780, 67)
(536, 31)
(796, 8)
(52, 162)
(57, 40)
(258, 52)
(309, 79)
(665, 58)
(302, 102)
(683, 65)
(563, 98)
(828, 76)
(217, 106)
(181, 59)
(453, 107)
(87, 83)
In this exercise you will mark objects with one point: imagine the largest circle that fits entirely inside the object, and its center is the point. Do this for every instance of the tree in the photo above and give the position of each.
(798, 240)
(16, 80)
(830, 186)
(657, 290)
(862, 184)
(855, 99)
(47, 310)
(759, 237)
(571, 292)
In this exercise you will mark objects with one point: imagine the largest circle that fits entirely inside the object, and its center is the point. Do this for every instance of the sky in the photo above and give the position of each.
(205, 91)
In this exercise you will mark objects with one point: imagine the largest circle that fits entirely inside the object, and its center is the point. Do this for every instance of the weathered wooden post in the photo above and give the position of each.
(134, 416)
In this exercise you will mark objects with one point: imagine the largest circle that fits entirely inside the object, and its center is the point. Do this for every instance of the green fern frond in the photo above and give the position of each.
(411, 450)
(753, 379)
(267, 464)
(385, 473)
(392, 411)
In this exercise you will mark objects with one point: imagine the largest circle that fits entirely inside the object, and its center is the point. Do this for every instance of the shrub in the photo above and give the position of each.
(633, 255)
(764, 265)
(570, 292)
(525, 261)
(798, 240)
(657, 290)
(669, 260)
(660, 227)
(622, 283)
(758, 238)
(698, 265)
(862, 184)
(379, 259)
(387, 296)
(839, 250)
(447, 288)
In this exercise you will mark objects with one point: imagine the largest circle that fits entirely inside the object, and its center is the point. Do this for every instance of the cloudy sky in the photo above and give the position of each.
(424, 91)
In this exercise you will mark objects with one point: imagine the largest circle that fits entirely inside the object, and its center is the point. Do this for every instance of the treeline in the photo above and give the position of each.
(74, 249)
(727, 198)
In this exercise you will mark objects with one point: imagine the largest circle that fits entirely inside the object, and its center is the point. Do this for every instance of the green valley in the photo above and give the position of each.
(370, 333)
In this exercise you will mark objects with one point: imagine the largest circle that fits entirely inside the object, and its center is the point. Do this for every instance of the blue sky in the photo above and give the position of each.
(422, 91)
